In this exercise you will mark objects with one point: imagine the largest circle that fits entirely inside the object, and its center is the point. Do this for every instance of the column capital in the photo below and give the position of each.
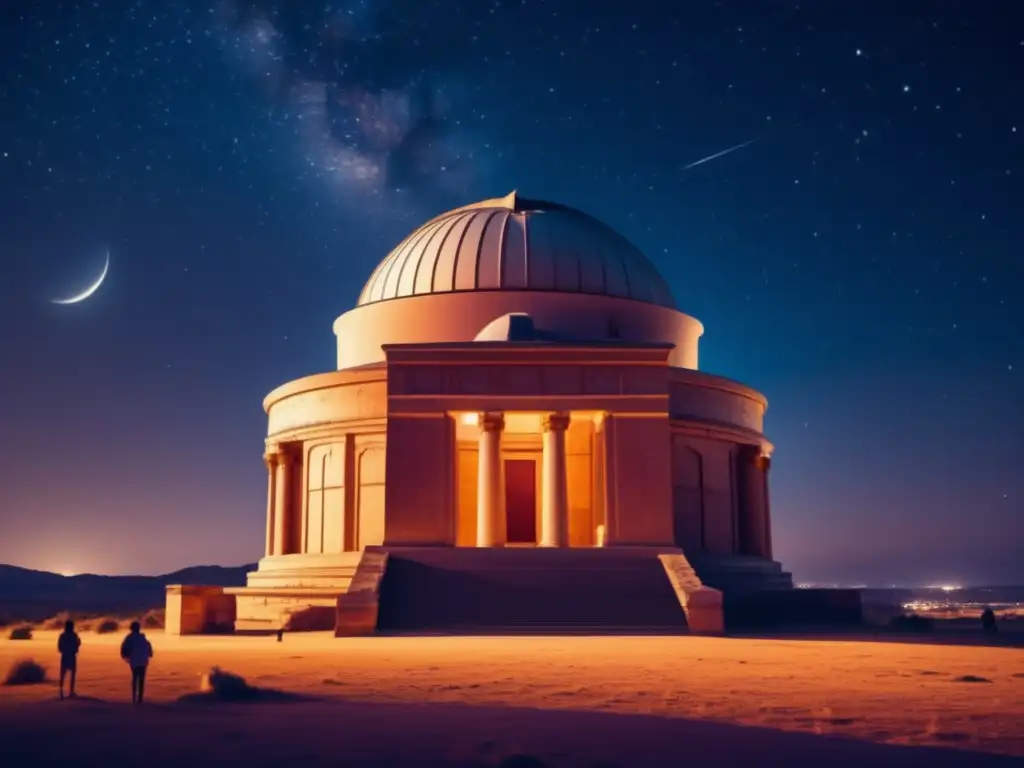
(492, 422)
(276, 453)
(757, 455)
(554, 422)
(270, 456)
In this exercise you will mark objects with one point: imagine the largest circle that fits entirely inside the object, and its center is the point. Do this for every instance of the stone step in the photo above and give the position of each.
(317, 592)
(504, 560)
(527, 554)
(431, 590)
(256, 625)
(533, 628)
(737, 564)
(733, 574)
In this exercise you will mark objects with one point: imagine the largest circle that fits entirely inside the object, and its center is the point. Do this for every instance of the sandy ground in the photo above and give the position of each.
(579, 701)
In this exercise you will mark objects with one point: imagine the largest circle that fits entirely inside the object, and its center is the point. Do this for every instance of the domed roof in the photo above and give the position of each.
(514, 244)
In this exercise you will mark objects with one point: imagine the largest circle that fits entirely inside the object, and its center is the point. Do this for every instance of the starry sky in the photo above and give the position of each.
(247, 164)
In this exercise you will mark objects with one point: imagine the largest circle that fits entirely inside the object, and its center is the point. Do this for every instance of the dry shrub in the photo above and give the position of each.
(971, 679)
(25, 672)
(23, 632)
(57, 621)
(153, 619)
(106, 626)
(220, 686)
(226, 686)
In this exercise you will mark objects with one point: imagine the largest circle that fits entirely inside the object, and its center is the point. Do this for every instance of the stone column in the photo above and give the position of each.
(766, 515)
(554, 523)
(598, 460)
(490, 502)
(270, 459)
(282, 500)
(754, 506)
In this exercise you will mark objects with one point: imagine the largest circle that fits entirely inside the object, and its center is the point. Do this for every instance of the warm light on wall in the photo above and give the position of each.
(522, 423)
(470, 419)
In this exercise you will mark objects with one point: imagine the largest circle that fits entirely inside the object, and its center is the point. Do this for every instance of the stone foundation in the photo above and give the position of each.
(470, 590)
(772, 609)
(194, 610)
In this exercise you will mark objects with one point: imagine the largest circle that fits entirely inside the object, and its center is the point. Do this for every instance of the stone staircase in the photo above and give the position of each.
(294, 592)
(735, 575)
(527, 589)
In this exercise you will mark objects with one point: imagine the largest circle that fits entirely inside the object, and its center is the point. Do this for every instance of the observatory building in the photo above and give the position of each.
(517, 433)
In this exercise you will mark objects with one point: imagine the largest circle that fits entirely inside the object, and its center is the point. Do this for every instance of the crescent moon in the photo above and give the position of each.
(91, 289)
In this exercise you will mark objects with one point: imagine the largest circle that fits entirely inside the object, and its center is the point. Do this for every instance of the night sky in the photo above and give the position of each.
(247, 164)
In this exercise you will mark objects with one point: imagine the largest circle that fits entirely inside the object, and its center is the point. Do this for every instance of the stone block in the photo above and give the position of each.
(794, 608)
(704, 611)
(357, 610)
(196, 609)
(355, 618)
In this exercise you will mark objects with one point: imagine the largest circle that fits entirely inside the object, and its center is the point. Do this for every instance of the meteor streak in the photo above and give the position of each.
(709, 158)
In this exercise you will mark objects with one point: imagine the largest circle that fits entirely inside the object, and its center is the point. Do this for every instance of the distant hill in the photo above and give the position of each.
(26, 594)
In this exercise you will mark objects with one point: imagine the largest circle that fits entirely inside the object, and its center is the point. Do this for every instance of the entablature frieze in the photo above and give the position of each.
(329, 429)
(527, 381)
(426, 406)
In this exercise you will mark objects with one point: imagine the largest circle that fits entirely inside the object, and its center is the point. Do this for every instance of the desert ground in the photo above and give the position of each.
(565, 701)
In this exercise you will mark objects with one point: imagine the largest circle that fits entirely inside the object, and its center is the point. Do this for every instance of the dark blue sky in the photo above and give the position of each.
(248, 165)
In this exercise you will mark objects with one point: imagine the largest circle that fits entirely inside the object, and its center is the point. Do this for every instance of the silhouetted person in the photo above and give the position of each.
(137, 651)
(988, 621)
(67, 646)
(280, 635)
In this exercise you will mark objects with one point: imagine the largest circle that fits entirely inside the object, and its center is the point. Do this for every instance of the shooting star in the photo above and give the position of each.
(709, 158)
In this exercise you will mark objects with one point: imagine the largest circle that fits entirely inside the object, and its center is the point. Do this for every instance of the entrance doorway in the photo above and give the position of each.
(521, 501)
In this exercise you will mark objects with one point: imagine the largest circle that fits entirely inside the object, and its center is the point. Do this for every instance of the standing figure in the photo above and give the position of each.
(67, 646)
(988, 620)
(137, 651)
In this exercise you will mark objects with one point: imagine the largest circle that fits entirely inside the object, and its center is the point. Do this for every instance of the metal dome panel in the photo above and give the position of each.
(514, 244)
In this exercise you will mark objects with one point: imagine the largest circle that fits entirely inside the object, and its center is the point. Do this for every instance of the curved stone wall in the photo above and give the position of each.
(705, 398)
(459, 317)
(327, 399)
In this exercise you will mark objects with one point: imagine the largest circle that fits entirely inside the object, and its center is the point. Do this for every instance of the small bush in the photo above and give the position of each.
(25, 672)
(971, 679)
(56, 622)
(153, 620)
(106, 626)
(220, 686)
(24, 632)
(226, 686)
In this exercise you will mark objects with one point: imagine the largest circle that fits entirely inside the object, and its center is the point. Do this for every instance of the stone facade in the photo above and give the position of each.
(586, 425)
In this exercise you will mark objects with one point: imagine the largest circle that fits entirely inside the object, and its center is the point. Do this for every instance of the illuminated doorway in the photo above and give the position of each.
(521, 501)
